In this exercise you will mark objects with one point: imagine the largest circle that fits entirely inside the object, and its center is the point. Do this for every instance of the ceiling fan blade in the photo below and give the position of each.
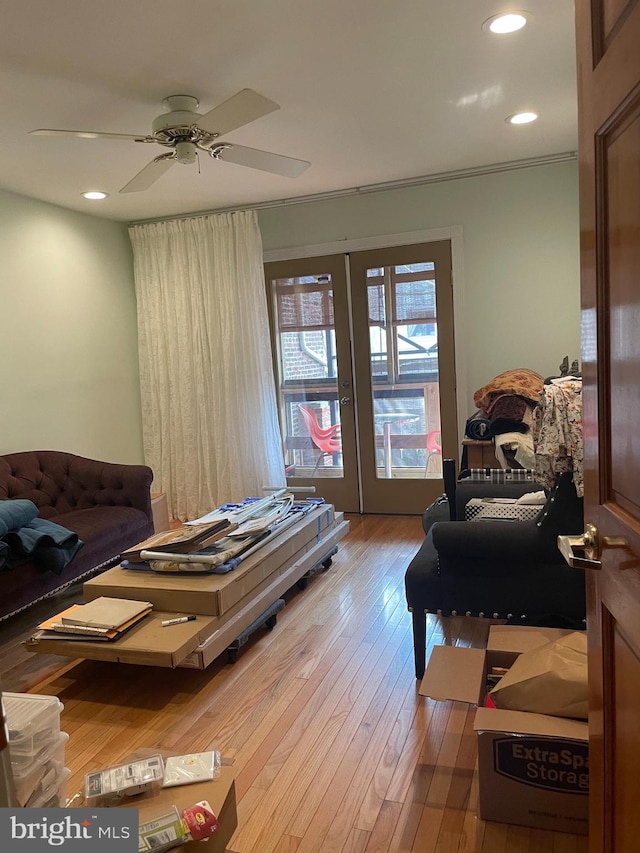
(90, 134)
(289, 167)
(150, 174)
(236, 111)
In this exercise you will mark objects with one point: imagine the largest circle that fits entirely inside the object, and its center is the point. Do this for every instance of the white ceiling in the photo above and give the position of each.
(370, 91)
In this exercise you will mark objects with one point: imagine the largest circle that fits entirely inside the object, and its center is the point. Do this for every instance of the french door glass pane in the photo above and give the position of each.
(403, 342)
(308, 376)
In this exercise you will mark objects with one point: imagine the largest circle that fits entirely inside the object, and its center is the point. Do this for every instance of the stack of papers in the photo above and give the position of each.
(181, 540)
(101, 619)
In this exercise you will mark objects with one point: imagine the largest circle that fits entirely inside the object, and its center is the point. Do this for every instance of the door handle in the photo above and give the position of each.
(344, 401)
(585, 552)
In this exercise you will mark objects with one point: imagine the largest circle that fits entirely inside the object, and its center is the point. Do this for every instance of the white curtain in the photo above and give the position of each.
(209, 416)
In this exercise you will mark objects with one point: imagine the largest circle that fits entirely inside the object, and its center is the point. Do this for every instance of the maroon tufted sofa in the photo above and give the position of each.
(106, 504)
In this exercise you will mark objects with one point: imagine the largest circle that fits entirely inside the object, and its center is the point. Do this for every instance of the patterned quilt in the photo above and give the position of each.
(521, 382)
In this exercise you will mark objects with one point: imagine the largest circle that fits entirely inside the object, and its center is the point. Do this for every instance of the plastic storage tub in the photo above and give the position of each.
(33, 722)
(30, 779)
(53, 793)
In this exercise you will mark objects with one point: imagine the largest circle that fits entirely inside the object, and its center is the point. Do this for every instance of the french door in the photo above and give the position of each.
(364, 362)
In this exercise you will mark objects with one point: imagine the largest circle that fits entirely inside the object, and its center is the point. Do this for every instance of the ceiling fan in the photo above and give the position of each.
(187, 132)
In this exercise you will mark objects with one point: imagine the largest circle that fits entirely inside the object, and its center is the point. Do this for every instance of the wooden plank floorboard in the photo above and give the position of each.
(334, 749)
(345, 776)
(313, 748)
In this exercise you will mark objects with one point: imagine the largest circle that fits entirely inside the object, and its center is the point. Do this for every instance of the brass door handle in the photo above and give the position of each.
(585, 552)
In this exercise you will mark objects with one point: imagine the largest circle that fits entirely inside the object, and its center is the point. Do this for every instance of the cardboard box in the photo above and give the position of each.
(196, 644)
(219, 793)
(214, 595)
(148, 643)
(240, 617)
(533, 768)
(160, 510)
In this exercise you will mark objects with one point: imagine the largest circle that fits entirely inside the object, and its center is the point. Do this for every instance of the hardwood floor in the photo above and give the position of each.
(335, 751)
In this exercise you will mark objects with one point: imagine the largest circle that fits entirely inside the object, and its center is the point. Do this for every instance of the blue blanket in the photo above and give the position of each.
(15, 514)
(25, 537)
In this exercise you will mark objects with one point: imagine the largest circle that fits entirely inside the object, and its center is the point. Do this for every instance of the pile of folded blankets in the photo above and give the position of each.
(25, 536)
(505, 414)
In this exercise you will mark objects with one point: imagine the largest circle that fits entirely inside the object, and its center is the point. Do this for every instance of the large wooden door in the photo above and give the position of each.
(608, 43)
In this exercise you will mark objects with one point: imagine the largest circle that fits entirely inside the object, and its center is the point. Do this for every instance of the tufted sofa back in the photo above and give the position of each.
(59, 482)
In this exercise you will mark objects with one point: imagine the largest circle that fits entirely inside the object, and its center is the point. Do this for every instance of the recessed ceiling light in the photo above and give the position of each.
(507, 22)
(95, 194)
(521, 118)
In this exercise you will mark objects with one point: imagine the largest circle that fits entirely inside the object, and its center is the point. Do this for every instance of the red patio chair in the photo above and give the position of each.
(434, 447)
(324, 438)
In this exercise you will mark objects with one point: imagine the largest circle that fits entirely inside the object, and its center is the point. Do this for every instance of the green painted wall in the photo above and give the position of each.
(68, 348)
(521, 303)
(68, 341)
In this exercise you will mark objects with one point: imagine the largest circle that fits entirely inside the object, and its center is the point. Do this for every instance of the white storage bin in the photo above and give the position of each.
(54, 793)
(484, 509)
(33, 722)
(29, 779)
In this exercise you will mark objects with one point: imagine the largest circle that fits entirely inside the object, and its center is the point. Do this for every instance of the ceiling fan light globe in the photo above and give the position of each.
(185, 152)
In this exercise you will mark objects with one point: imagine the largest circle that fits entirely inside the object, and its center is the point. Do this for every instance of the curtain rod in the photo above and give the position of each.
(439, 177)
